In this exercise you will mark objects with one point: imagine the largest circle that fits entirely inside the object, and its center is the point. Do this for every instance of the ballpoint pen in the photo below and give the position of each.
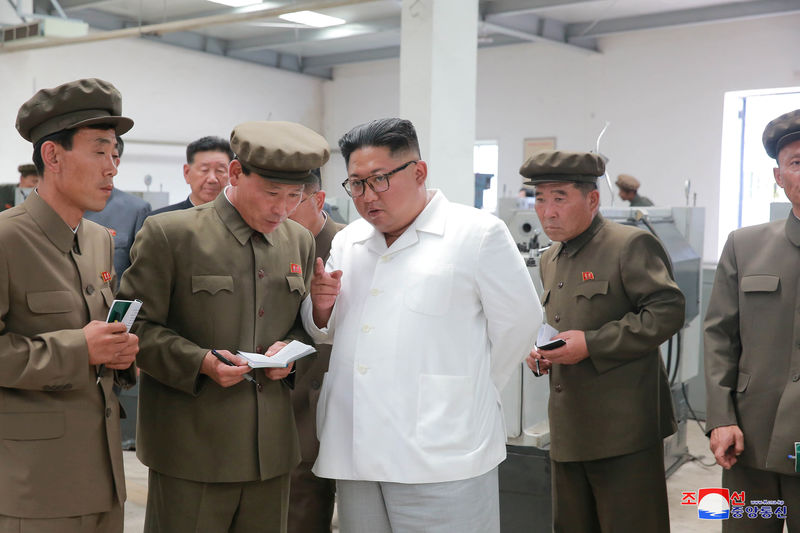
(228, 362)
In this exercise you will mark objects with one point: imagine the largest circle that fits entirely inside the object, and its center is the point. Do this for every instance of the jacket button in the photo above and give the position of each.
(315, 384)
(260, 349)
(796, 378)
(90, 289)
(557, 387)
(260, 273)
(557, 318)
(108, 412)
(560, 284)
(362, 369)
(261, 312)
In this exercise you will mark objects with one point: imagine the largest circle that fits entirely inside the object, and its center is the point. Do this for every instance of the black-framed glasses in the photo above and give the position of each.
(378, 183)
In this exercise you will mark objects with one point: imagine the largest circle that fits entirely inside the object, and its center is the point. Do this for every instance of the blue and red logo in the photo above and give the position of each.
(713, 503)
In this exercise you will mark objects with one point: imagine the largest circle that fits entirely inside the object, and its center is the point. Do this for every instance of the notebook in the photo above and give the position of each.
(124, 311)
(291, 352)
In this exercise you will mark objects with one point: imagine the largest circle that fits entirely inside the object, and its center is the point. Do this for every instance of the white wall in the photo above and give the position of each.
(174, 96)
(662, 90)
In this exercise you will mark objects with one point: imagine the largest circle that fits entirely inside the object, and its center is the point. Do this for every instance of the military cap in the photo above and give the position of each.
(27, 169)
(780, 132)
(558, 165)
(627, 182)
(69, 106)
(285, 152)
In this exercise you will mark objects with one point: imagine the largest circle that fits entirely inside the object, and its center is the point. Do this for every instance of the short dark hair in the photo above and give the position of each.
(316, 182)
(585, 186)
(396, 134)
(208, 144)
(120, 145)
(62, 138)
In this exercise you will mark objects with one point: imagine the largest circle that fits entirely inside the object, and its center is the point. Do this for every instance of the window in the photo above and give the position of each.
(747, 186)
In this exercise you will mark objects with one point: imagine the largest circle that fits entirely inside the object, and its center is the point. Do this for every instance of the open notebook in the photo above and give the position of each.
(291, 352)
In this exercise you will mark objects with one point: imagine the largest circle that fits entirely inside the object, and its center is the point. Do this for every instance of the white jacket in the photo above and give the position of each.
(425, 334)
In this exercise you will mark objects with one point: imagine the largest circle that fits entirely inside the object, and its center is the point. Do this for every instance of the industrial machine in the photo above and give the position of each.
(525, 475)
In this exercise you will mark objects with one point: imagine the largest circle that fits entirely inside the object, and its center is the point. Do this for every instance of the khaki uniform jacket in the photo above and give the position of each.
(752, 349)
(60, 451)
(311, 369)
(614, 283)
(207, 280)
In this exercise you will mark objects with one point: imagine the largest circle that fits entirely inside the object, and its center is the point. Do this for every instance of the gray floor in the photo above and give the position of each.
(691, 476)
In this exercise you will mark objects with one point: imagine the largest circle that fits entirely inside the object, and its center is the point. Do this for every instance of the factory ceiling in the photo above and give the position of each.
(371, 28)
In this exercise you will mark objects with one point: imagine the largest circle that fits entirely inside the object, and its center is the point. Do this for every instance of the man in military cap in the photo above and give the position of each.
(436, 311)
(629, 191)
(609, 291)
(312, 498)
(752, 360)
(60, 453)
(220, 449)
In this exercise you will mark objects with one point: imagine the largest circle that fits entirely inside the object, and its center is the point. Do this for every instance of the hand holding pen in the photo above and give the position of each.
(226, 369)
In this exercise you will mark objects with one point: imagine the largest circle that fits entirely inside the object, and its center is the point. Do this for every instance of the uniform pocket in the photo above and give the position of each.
(212, 284)
(760, 283)
(590, 289)
(31, 426)
(297, 284)
(444, 412)
(50, 302)
(429, 291)
(742, 381)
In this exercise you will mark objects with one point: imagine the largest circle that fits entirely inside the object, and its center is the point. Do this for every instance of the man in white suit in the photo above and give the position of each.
(430, 308)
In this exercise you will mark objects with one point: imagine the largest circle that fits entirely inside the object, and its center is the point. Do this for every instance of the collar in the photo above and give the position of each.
(431, 220)
(573, 246)
(233, 220)
(793, 229)
(51, 224)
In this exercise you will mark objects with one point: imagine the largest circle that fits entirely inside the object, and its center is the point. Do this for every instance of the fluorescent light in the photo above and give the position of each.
(236, 3)
(312, 18)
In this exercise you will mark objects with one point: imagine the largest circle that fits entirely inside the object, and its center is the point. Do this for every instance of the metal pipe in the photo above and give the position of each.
(246, 14)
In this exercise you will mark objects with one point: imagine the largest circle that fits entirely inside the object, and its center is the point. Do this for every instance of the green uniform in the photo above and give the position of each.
(614, 283)
(207, 281)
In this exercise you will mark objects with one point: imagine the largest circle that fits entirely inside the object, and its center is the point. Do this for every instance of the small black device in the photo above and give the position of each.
(552, 345)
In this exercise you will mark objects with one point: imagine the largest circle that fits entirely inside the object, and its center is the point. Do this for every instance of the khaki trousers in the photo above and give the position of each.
(181, 506)
(763, 485)
(624, 494)
(108, 522)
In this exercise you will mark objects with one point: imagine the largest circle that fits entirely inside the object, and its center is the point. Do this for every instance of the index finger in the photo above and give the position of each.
(319, 267)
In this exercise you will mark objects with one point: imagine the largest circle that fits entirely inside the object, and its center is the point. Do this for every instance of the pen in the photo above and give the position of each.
(538, 370)
(228, 362)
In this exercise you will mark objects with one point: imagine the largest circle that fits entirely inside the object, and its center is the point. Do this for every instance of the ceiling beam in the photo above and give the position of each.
(684, 17)
(528, 27)
(519, 7)
(331, 60)
(310, 35)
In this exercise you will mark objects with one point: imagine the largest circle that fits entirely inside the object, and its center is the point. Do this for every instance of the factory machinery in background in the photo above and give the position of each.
(525, 494)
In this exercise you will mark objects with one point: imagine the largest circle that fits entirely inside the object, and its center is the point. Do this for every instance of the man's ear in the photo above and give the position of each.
(186, 172)
(776, 173)
(234, 172)
(421, 171)
(51, 155)
(319, 198)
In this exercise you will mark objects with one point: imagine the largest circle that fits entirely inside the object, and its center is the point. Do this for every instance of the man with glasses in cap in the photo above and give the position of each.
(752, 355)
(610, 292)
(60, 453)
(229, 275)
(312, 498)
(435, 311)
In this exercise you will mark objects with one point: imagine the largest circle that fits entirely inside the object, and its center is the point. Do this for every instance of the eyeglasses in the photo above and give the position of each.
(308, 196)
(378, 183)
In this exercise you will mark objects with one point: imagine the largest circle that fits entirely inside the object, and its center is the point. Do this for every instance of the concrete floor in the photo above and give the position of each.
(691, 476)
